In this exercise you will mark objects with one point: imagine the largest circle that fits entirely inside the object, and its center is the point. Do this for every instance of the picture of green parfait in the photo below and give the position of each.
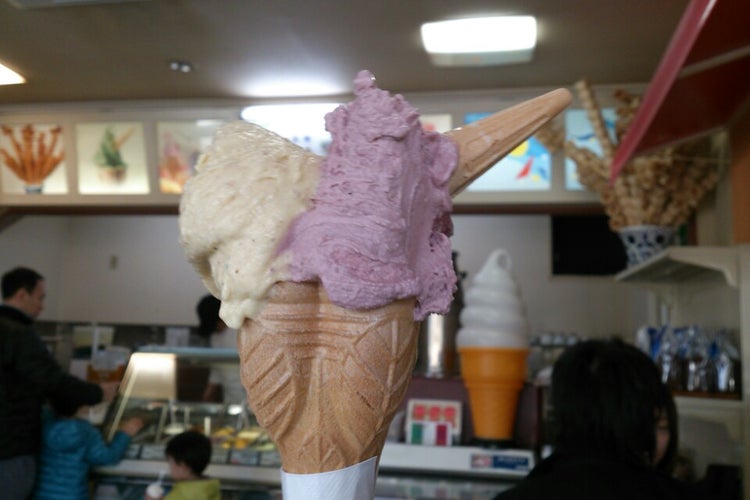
(112, 167)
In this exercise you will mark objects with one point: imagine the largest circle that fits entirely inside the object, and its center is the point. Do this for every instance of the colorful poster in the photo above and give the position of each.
(180, 145)
(579, 131)
(111, 158)
(304, 124)
(32, 158)
(527, 168)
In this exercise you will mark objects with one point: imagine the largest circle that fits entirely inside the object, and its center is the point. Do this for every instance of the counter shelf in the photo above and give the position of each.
(677, 265)
(395, 487)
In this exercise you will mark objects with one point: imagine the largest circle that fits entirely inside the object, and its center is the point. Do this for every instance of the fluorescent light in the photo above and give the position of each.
(480, 41)
(481, 34)
(292, 86)
(9, 77)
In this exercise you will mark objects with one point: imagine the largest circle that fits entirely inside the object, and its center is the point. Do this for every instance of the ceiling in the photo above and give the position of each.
(255, 49)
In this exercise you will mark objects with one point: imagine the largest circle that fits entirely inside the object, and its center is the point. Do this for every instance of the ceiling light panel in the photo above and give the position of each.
(480, 41)
(9, 77)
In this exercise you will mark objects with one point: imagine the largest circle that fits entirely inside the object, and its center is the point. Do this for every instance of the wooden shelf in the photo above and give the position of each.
(696, 88)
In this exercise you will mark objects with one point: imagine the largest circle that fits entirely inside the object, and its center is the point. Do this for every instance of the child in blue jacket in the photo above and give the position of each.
(70, 447)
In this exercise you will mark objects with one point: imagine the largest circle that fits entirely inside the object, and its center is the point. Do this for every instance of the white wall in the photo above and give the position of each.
(37, 243)
(127, 270)
(131, 269)
(592, 306)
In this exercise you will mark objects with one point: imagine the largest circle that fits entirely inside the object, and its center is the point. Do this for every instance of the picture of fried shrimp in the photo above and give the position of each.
(32, 154)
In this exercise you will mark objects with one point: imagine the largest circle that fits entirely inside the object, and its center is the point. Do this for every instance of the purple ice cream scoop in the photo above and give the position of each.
(379, 226)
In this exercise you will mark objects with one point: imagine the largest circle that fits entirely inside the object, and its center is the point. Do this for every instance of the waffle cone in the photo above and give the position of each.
(325, 381)
(484, 142)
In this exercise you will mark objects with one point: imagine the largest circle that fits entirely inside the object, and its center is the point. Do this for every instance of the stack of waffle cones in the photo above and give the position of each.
(661, 188)
(325, 381)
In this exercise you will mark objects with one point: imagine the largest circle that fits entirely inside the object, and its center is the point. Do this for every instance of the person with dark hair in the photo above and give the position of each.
(209, 321)
(224, 382)
(70, 447)
(28, 375)
(665, 452)
(188, 454)
(606, 399)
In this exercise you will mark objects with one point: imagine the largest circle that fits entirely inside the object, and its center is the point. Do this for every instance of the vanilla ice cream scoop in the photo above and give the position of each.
(494, 314)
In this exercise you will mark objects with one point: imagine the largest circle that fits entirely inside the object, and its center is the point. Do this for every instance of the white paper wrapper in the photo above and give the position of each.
(356, 482)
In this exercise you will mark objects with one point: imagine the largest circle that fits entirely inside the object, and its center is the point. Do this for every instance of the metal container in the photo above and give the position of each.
(436, 353)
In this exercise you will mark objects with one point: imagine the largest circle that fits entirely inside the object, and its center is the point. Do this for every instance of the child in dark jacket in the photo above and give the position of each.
(70, 447)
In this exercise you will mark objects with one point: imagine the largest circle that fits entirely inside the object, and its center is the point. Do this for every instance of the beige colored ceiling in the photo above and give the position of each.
(115, 51)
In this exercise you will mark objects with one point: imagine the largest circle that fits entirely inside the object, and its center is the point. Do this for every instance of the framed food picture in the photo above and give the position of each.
(111, 158)
(180, 145)
(527, 168)
(32, 159)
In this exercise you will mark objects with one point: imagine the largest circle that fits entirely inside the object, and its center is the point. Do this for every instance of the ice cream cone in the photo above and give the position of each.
(322, 379)
(494, 378)
(325, 381)
(482, 143)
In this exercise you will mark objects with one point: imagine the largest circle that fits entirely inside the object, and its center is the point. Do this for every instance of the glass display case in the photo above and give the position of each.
(166, 387)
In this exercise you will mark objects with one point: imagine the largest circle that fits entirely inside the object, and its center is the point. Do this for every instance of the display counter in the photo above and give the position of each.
(164, 387)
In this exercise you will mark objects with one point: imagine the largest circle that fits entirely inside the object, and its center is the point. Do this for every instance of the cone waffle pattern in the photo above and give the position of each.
(325, 381)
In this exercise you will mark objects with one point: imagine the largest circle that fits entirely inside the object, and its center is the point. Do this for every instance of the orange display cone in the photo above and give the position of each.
(494, 378)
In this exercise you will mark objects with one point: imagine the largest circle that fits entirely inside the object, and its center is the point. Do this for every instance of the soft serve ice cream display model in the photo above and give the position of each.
(327, 265)
(493, 343)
